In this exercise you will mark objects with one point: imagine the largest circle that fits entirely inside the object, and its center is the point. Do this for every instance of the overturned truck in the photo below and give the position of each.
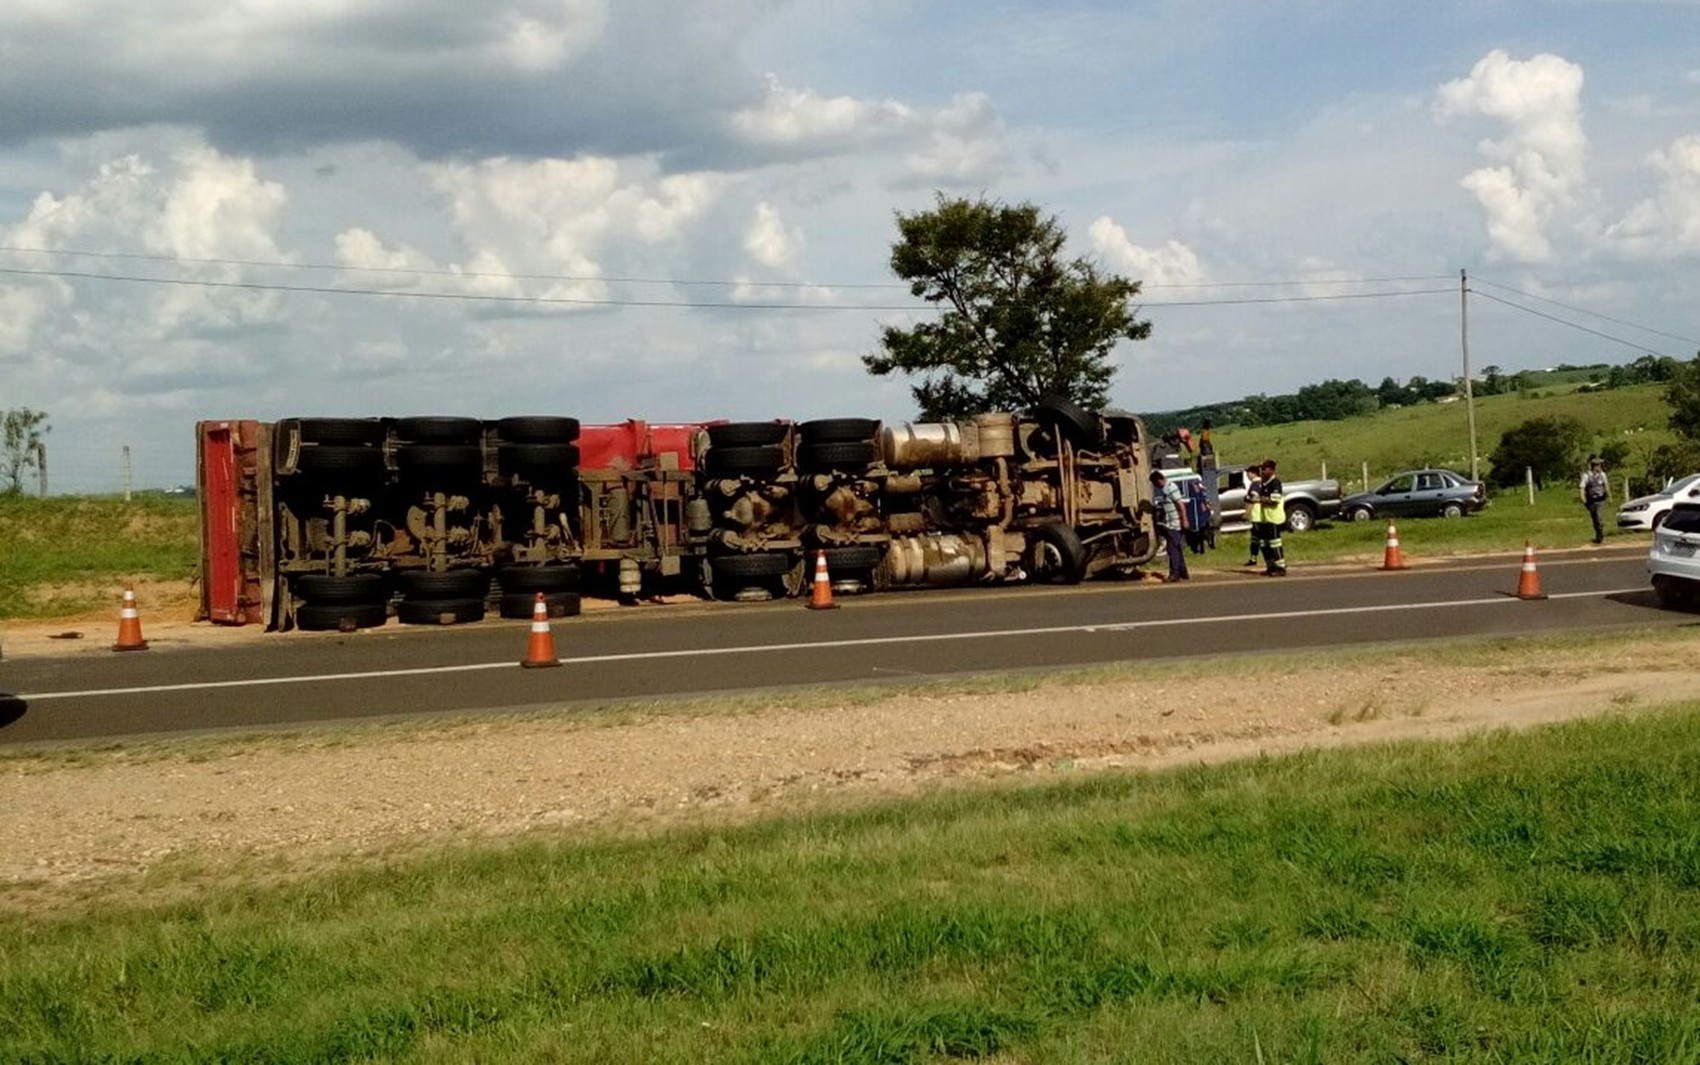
(343, 523)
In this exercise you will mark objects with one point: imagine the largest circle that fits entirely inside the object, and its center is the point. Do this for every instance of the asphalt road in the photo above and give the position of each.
(659, 652)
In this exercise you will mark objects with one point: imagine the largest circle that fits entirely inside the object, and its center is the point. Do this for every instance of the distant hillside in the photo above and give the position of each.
(1438, 433)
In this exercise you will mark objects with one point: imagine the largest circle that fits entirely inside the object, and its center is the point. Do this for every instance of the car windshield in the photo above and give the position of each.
(1397, 484)
(1683, 520)
(1683, 485)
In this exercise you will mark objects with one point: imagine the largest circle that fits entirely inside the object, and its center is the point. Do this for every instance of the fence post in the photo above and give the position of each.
(1529, 479)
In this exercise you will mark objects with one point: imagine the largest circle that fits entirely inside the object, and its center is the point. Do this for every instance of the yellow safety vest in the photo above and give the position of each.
(1253, 501)
(1274, 506)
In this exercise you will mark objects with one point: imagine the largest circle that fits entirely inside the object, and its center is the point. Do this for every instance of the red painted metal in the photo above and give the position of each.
(221, 510)
(632, 444)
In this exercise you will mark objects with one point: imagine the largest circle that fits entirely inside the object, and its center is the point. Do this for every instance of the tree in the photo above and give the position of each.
(1017, 322)
(21, 430)
(1682, 392)
(1550, 446)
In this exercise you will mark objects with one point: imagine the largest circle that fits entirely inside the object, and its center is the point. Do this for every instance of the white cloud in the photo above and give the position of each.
(1172, 263)
(1541, 158)
(1669, 222)
(800, 117)
(966, 145)
(768, 241)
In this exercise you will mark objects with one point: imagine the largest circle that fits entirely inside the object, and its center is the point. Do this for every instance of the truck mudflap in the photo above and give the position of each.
(234, 488)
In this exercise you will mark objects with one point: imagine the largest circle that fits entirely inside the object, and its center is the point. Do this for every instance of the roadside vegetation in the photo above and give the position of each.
(1513, 897)
(66, 555)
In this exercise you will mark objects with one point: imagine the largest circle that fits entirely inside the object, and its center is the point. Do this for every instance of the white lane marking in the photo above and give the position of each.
(816, 645)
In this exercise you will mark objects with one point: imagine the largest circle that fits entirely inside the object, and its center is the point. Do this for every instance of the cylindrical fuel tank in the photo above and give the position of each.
(935, 559)
(997, 435)
(911, 447)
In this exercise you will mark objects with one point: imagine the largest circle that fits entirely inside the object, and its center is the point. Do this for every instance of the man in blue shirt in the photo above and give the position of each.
(1169, 512)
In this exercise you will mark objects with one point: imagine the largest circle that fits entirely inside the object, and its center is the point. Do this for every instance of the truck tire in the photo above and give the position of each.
(1301, 517)
(836, 430)
(526, 580)
(539, 460)
(1072, 420)
(355, 466)
(438, 430)
(746, 434)
(439, 611)
(850, 558)
(344, 432)
(537, 429)
(759, 564)
(444, 584)
(558, 604)
(428, 462)
(1055, 554)
(759, 461)
(837, 455)
(328, 617)
(324, 589)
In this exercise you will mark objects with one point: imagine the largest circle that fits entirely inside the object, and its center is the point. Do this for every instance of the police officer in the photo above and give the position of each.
(1254, 512)
(1274, 514)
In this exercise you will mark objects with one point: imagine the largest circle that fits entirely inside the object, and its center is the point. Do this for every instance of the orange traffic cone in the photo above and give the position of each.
(821, 597)
(129, 624)
(540, 651)
(1392, 558)
(1529, 581)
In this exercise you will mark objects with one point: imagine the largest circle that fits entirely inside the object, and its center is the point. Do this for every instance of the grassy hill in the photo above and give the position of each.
(1438, 434)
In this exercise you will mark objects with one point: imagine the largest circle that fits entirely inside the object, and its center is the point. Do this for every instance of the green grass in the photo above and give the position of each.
(67, 554)
(1437, 434)
(1515, 897)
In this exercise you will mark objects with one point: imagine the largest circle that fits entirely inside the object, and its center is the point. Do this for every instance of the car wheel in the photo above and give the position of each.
(1361, 514)
(1055, 555)
(1673, 592)
(1451, 510)
(1300, 518)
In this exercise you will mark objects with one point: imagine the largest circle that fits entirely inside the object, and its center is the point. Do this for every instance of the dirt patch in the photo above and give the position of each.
(300, 802)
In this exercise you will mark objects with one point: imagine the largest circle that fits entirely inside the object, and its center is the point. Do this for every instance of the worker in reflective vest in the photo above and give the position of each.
(1254, 512)
(1274, 516)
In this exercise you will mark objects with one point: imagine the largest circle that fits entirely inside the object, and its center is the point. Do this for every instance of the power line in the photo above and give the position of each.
(1561, 321)
(328, 290)
(433, 272)
(1584, 310)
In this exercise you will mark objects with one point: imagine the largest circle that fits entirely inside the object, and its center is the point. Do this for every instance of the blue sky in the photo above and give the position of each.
(586, 162)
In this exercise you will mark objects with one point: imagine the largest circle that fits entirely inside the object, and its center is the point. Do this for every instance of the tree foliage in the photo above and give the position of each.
(21, 430)
(1017, 322)
(1682, 392)
(1553, 447)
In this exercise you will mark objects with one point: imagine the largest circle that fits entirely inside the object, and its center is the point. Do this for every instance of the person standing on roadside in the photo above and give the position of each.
(1595, 490)
(1169, 511)
(1254, 511)
(1274, 516)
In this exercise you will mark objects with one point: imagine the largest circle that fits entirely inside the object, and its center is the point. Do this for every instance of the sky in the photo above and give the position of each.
(682, 211)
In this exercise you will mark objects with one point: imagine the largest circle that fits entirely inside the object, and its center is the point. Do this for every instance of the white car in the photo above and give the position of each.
(1674, 561)
(1646, 512)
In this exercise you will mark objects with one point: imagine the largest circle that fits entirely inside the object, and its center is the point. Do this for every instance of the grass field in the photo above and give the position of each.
(1529, 896)
(1437, 434)
(64, 554)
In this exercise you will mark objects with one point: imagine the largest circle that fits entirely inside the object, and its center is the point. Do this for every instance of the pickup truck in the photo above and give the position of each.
(1306, 501)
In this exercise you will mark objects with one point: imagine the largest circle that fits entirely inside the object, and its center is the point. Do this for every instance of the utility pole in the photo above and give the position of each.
(127, 473)
(41, 467)
(1469, 389)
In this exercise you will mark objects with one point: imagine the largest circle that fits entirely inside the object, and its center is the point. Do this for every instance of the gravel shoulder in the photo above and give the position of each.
(87, 821)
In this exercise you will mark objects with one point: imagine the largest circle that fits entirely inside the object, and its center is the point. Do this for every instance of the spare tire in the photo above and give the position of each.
(437, 430)
(439, 611)
(558, 604)
(326, 617)
(746, 434)
(537, 429)
(832, 430)
(1075, 422)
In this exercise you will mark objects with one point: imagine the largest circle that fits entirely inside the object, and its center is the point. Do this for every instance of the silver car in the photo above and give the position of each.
(1674, 561)
(1646, 512)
